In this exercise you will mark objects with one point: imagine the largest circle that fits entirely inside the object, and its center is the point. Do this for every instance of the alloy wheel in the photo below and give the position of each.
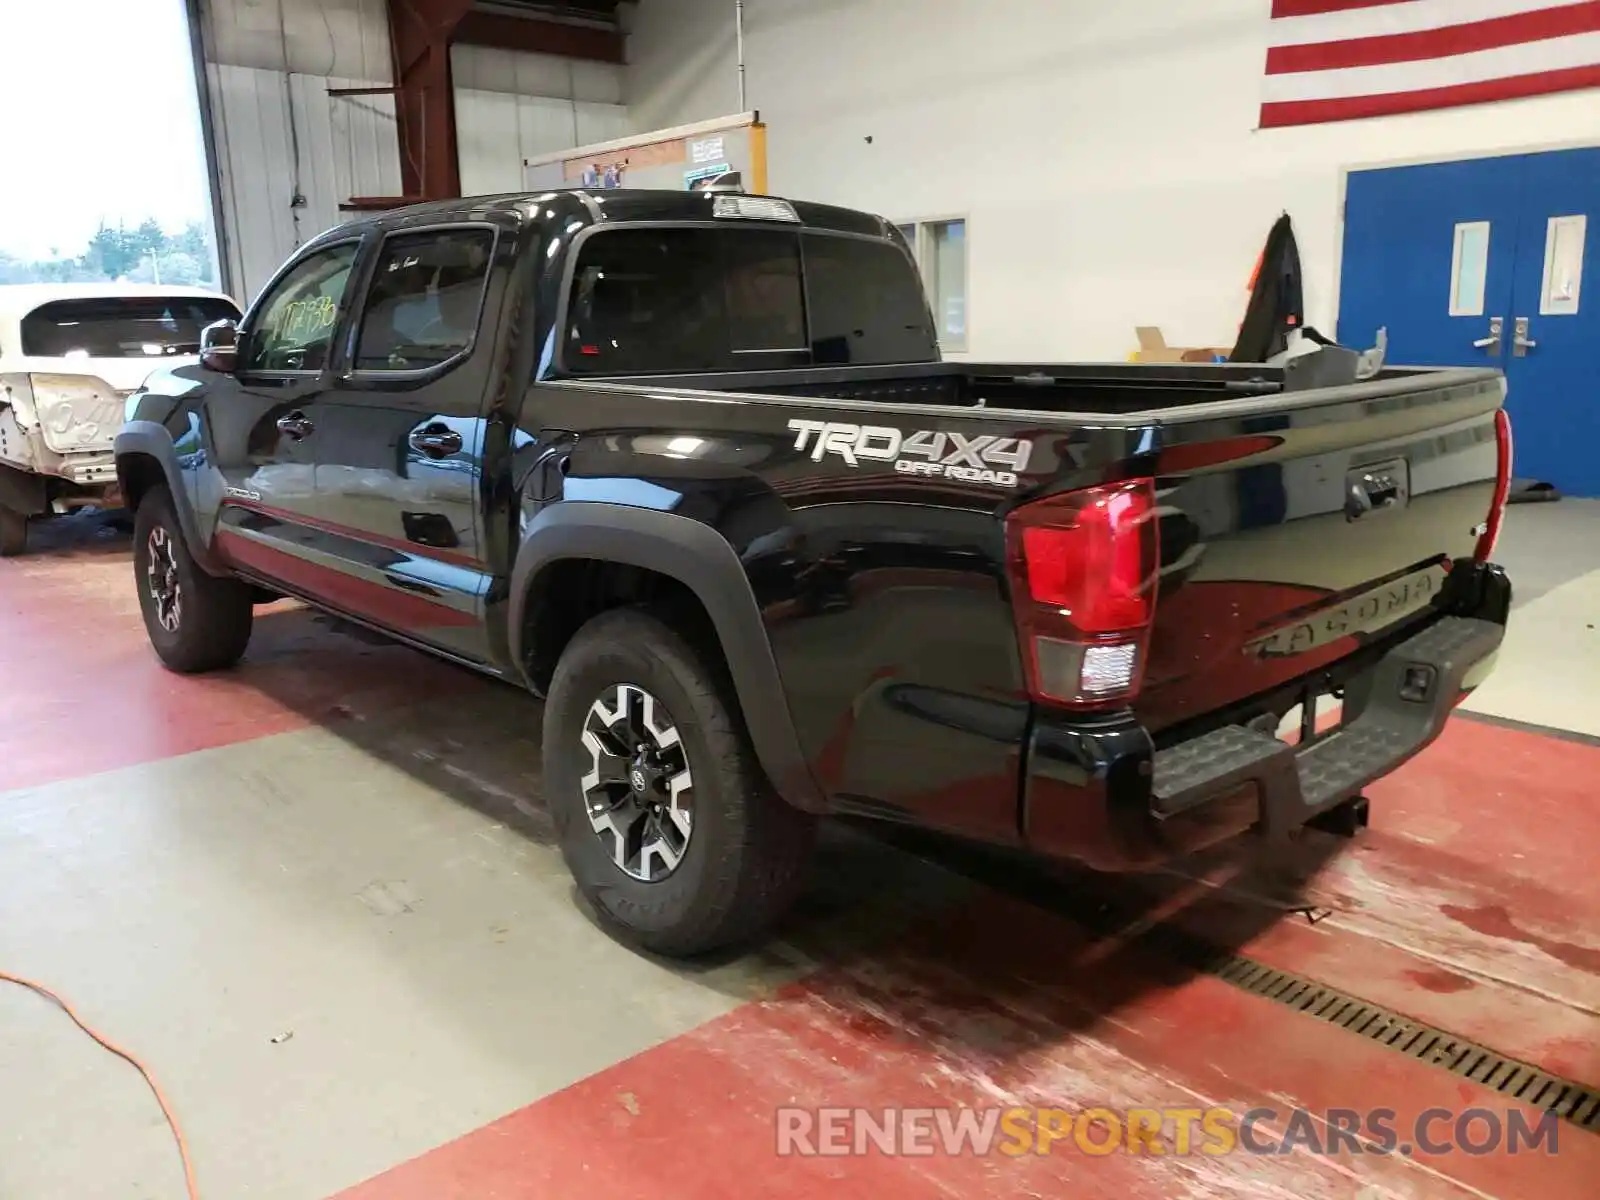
(637, 788)
(161, 576)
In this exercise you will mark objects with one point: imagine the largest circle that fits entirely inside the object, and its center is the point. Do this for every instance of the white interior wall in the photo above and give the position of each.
(511, 106)
(1106, 155)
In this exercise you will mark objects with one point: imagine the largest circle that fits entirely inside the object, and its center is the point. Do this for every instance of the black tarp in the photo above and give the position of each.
(1277, 302)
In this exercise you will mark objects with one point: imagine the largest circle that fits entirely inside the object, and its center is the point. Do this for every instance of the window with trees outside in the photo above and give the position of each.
(116, 188)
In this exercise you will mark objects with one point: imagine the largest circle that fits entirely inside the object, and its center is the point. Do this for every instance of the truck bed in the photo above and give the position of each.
(1271, 570)
(1129, 390)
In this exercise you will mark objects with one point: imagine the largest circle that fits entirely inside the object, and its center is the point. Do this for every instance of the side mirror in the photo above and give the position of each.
(219, 346)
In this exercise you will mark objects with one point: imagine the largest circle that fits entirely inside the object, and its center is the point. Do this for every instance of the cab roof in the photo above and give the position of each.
(621, 205)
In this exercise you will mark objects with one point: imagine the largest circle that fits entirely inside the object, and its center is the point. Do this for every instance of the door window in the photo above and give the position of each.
(425, 299)
(1563, 265)
(1469, 269)
(293, 329)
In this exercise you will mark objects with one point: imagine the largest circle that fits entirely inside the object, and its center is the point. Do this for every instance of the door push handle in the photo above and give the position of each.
(1492, 342)
(1521, 343)
(436, 441)
(295, 425)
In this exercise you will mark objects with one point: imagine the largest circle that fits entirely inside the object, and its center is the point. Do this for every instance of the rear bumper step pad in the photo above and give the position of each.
(1391, 712)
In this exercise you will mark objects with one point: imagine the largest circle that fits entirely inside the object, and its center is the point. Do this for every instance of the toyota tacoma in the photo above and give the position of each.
(691, 468)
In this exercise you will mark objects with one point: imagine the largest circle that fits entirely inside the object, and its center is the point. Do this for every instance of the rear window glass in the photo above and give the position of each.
(121, 326)
(866, 302)
(665, 300)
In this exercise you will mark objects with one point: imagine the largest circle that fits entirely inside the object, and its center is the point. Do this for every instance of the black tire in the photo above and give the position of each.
(13, 533)
(745, 857)
(208, 627)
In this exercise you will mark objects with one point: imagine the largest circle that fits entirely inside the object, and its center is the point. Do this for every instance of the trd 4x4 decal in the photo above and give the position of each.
(979, 459)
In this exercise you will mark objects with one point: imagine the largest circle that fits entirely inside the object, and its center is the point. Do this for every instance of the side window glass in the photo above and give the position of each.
(293, 330)
(426, 295)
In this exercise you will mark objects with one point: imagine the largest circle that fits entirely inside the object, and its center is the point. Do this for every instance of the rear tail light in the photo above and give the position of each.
(1502, 488)
(1083, 567)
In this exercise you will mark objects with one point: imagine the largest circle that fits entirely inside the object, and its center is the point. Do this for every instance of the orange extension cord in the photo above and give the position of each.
(161, 1098)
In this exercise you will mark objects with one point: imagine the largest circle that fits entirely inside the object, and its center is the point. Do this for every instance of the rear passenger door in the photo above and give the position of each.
(399, 448)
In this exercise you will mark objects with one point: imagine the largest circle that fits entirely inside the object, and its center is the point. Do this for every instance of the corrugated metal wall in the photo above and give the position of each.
(347, 39)
(289, 154)
(511, 106)
(280, 135)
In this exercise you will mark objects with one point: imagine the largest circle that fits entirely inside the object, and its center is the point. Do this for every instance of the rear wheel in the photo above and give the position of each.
(13, 533)
(666, 820)
(196, 622)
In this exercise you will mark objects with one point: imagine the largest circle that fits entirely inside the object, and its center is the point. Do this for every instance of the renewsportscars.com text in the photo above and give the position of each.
(839, 1132)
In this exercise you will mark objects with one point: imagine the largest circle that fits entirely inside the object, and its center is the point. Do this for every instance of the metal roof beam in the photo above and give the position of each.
(536, 36)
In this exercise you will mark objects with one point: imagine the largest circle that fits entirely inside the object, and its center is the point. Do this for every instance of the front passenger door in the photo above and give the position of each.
(399, 453)
(261, 419)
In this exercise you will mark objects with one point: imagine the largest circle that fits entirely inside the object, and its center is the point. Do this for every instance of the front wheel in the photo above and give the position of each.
(667, 822)
(196, 622)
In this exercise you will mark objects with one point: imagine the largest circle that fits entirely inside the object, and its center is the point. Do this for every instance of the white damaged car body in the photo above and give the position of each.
(70, 355)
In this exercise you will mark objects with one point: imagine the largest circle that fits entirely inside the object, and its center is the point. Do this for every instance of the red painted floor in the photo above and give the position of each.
(1010, 1006)
(1471, 904)
(1008, 1003)
(1465, 905)
(74, 657)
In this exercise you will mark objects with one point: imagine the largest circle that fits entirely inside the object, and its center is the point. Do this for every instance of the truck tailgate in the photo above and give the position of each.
(1291, 534)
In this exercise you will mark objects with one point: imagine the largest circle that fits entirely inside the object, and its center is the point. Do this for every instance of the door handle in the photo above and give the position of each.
(1492, 342)
(1521, 343)
(295, 425)
(436, 440)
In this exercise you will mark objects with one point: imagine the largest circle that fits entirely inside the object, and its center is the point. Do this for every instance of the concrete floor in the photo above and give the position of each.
(318, 896)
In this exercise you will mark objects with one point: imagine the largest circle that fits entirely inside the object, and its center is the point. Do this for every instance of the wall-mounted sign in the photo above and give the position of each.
(707, 150)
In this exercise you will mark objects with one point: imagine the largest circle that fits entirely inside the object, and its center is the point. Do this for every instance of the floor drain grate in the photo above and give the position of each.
(1575, 1103)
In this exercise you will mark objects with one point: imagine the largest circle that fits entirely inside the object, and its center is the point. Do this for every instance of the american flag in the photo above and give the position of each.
(1336, 60)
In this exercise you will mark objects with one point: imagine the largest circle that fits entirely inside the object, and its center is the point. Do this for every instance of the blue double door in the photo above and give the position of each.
(1482, 262)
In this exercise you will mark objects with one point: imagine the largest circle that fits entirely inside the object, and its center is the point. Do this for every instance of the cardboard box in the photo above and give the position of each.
(1153, 348)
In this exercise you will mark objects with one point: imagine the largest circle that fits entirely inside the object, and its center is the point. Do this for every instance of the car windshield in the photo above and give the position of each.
(121, 326)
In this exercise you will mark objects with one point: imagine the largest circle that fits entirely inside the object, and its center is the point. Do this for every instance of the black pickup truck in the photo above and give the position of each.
(691, 468)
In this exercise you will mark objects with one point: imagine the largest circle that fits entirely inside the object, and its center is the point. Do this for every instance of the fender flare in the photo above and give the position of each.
(148, 439)
(702, 560)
